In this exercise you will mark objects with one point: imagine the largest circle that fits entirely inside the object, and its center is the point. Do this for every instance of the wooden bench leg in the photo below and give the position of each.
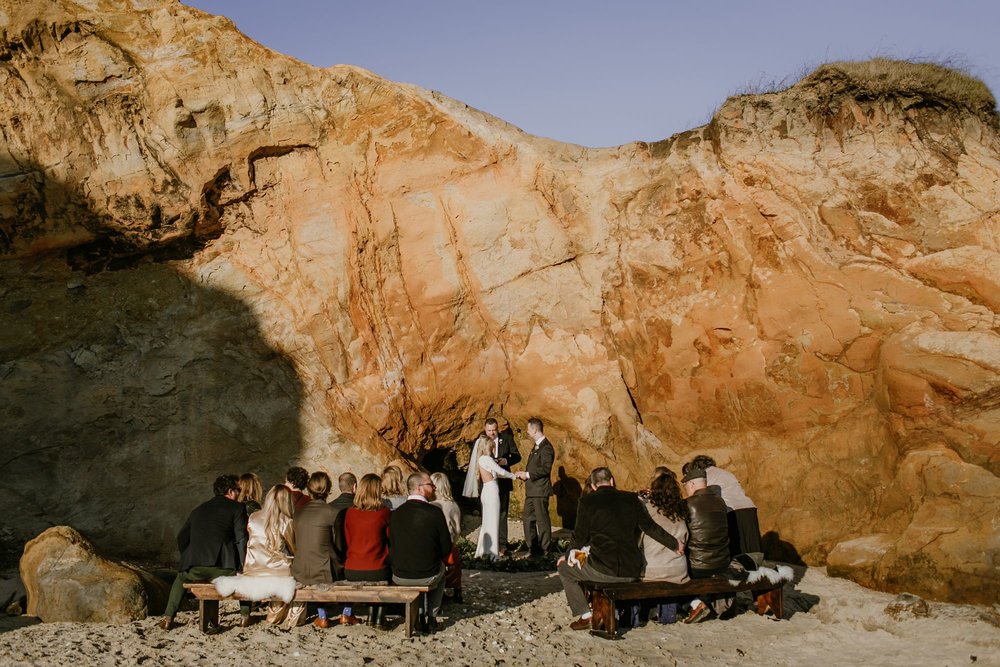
(412, 612)
(208, 614)
(602, 620)
(778, 603)
(771, 601)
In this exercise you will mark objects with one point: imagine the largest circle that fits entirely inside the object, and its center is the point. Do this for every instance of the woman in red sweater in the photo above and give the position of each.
(366, 542)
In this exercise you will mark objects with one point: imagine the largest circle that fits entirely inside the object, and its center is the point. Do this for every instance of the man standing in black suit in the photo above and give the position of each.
(506, 455)
(609, 521)
(537, 490)
(419, 541)
(213, 542)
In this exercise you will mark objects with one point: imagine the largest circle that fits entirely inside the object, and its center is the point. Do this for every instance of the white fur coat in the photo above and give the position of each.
(257, 588)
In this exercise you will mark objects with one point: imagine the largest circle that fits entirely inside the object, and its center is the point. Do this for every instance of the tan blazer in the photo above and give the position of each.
(315, 559)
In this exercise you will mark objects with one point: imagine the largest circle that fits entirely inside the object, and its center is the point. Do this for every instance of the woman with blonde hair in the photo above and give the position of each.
(251, 492)
(266, 571)
(453, 517)
(363, 540)
(482, 468)
(392, 487)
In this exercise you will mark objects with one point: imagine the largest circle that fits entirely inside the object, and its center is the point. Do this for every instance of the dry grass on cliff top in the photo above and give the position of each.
(881, 78)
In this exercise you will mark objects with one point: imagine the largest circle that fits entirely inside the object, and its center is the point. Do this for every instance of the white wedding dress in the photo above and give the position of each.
(489, 532)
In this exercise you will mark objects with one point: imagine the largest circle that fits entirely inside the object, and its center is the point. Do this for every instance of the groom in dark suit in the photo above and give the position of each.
(506, 455)
(537, 490)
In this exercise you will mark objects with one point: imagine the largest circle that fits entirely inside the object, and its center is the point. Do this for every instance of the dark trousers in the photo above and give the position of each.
(504, 507)
(537, 525)
(195, 574)
(744, 533)
(571, 578)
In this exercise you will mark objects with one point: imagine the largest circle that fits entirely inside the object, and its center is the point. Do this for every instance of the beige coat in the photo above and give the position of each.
(664, 564)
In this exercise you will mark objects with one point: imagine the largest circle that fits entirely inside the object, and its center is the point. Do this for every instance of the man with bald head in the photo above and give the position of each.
(419, 541)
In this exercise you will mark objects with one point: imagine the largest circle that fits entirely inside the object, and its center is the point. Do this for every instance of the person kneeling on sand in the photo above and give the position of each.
(213, 542)
(708, 539)
(609, 523)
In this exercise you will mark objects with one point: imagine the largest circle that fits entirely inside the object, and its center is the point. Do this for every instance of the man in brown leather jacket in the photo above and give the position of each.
(708, 535)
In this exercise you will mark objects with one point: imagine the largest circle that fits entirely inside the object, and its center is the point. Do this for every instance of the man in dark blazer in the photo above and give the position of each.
(506, 455)
(348, 484)
(213, 542)
(537, 490)
(609, 521)
(419, 541)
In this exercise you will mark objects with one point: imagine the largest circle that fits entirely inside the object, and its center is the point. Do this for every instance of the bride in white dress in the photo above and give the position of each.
(483, 467)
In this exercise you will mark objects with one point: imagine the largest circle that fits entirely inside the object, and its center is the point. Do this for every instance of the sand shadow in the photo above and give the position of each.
(127, 385)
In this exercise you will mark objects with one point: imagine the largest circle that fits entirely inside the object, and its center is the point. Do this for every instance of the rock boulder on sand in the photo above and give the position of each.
(67, 580)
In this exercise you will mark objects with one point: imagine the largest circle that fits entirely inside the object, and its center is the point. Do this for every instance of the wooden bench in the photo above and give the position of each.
(603, 596)
(208, 599)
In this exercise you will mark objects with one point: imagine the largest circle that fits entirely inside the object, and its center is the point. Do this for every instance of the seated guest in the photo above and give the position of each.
(269, 554)
(297, 479)
(419, 541)
(610, 522)
(392, 487)
(708, 536)
(453, 517)
(251, 492)
(363, 543)
(348, 484)
(313, 526)
(744, 531)
(667, 508)
(212, 542)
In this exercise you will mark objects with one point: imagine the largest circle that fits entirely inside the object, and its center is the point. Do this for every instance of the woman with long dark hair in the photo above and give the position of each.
(669, 510)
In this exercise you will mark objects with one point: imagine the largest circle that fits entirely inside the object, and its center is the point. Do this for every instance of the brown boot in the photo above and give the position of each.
(167, 624)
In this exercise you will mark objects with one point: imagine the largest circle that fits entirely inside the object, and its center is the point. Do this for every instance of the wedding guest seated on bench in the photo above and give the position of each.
(708, 541)
(267, 570)
(609, 523)
(363, 543)
(667, 508)
(419, 542)
(315, 560)
(212, 542)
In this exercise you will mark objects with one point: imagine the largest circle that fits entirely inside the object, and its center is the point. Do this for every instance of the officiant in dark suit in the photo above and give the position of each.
(537, 490)
(506, 455)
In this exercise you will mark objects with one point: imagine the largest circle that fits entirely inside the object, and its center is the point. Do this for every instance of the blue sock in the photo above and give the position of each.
(347, 611)
(322, 612)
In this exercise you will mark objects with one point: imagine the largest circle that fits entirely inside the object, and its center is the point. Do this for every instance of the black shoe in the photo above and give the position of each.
(376, 618)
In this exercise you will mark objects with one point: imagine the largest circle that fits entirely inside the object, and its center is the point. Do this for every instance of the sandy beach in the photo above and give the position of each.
(513, 619)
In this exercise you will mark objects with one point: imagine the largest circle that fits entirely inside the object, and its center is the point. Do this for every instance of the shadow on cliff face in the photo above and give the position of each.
(124, 393)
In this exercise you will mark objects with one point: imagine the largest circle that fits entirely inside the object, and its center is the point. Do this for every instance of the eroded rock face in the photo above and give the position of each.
(218, 259)
(67, 580)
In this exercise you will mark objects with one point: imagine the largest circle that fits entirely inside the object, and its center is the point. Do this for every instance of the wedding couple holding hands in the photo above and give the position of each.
(492, 457)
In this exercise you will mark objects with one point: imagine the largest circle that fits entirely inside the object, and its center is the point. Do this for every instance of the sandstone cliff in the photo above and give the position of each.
(218, 258)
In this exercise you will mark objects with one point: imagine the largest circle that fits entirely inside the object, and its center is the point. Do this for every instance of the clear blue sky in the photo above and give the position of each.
(606, 72)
